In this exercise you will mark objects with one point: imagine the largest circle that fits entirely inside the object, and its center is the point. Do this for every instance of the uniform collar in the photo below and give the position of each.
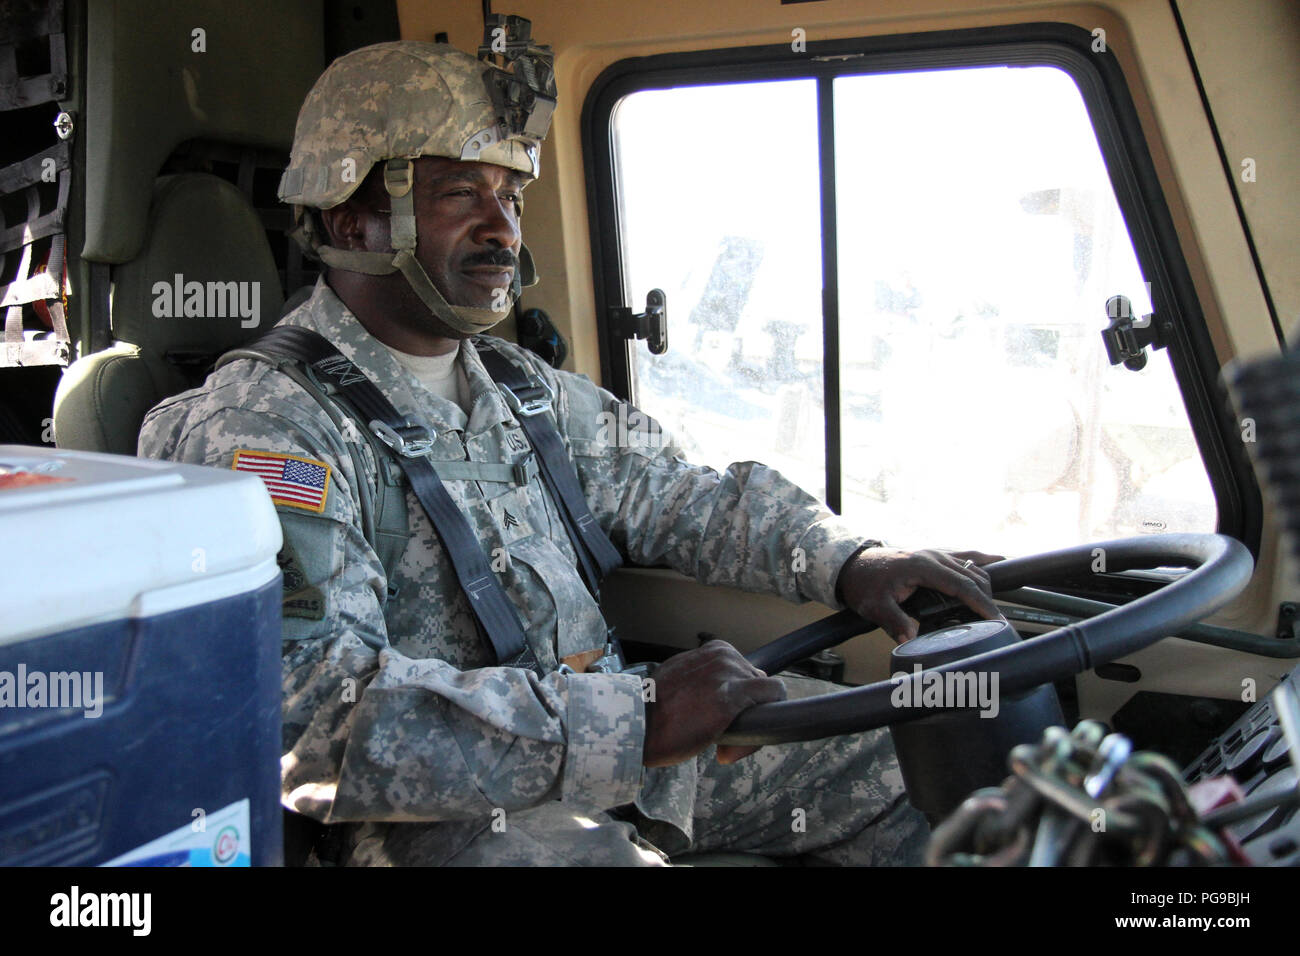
(488, 409)
(326, 313)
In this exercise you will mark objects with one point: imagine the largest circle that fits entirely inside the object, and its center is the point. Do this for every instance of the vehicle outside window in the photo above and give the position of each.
(978, 240)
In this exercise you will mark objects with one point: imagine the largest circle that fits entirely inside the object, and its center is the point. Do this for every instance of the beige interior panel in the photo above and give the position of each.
(662, 607)
(1175, 666)
(1246, 54)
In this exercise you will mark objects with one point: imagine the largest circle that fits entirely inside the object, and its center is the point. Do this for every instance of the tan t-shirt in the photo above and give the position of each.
(440, 374)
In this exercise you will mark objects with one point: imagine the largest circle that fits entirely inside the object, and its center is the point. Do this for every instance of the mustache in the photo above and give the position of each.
(491, 257)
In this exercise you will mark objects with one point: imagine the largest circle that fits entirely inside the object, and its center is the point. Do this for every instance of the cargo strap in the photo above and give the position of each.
(34, 73)
(410, 443)
(530, 399)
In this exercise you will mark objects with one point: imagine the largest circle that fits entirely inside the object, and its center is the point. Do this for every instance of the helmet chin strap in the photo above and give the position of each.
(398, 178)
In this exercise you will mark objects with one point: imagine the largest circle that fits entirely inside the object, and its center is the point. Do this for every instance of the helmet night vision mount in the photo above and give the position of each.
(524, 99)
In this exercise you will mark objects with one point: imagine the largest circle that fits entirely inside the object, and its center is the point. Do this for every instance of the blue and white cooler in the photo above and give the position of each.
(139, 663)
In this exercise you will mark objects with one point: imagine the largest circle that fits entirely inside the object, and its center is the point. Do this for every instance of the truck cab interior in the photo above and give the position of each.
(969, 272)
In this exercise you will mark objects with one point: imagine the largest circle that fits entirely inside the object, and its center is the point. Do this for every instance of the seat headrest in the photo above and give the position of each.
(205, 280)
(161, 74)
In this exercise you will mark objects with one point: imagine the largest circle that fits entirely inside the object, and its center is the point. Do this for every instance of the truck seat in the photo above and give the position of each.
(201, 230)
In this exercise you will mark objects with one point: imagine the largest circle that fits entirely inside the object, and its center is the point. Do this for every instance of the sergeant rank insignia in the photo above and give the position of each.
(297, 482)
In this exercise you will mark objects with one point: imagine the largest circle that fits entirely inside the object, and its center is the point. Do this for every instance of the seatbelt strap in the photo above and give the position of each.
(492, 609)
(530, 400)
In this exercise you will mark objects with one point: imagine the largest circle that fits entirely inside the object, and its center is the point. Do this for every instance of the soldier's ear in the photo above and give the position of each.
(345, 226)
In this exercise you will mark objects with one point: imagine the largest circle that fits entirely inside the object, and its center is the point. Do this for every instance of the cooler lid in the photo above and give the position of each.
(88, 537)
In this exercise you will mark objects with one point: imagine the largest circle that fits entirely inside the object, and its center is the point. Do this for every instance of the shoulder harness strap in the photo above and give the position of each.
(407, 445)
(530, 399)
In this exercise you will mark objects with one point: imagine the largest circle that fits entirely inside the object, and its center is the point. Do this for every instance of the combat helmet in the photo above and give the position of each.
(393, 102)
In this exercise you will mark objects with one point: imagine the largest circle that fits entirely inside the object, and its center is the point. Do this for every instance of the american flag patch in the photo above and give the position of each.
(300, 482)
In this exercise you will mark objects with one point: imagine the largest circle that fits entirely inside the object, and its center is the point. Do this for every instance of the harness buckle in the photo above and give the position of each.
(537, 397)
(526, 469)
(409, 441)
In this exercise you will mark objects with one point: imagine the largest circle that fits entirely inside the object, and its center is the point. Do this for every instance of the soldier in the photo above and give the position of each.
(398, 720)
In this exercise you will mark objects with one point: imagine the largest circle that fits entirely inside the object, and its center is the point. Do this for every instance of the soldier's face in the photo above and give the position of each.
(467, 228)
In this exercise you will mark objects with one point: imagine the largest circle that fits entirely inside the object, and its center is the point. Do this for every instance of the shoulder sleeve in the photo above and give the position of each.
(370, 733)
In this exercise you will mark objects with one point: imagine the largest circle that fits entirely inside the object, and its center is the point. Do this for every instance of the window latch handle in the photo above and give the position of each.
(1127, 338)
(651, 325)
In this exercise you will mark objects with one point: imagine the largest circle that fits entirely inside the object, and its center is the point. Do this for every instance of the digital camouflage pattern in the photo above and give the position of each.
(402, 100)
(392, 712)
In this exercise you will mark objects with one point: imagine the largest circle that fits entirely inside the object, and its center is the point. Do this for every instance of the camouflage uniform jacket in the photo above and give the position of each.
(392, 710)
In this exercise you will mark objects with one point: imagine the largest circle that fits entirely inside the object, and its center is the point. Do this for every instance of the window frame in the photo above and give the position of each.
(1124, 151)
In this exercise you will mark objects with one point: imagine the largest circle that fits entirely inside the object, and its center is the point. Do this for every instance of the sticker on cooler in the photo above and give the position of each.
(25, 479)
(29, 471)
(220, 838)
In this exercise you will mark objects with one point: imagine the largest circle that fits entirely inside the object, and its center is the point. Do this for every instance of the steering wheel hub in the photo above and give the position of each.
(953, 643)
(946, 756)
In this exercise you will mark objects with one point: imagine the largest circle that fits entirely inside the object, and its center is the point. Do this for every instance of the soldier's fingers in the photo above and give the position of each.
(979, 557)
(967, 567)
(730, 657)
(728, 753)
(894, 621)
(966, 589)
(975, 572)
(742, 693)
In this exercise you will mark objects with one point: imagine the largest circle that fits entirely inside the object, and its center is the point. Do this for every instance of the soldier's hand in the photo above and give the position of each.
(874, 582)
(697, 695)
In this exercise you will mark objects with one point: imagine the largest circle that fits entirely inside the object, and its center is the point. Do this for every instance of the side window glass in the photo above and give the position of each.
(719, 208)
(978, 241)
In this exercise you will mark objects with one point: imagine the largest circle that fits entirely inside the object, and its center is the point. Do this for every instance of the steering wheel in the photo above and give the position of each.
(1221, 570)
